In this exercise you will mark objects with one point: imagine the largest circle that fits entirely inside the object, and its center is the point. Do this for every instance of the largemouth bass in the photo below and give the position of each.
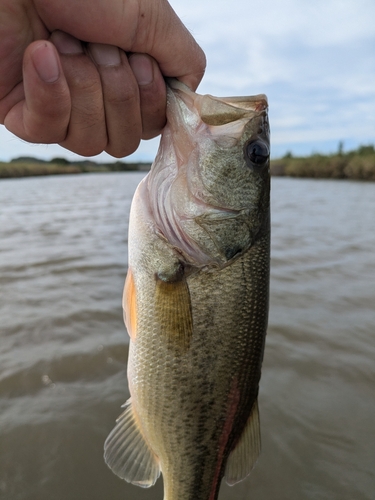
(196, 300)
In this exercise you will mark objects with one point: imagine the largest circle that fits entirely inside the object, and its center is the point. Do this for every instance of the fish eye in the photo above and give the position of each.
(257, 152)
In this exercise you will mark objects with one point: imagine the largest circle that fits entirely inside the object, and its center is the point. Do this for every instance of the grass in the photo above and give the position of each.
(21, 169)
(26, 167)
(358, 164)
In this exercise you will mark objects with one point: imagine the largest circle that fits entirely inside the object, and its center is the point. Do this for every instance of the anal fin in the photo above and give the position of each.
(127, 453)
(243, 457)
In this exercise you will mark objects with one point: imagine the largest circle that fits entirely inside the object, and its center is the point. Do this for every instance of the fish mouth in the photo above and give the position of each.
(199, 223)
(216, 111)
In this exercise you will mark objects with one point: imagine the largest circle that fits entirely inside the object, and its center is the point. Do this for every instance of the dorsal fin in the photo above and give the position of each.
(127, 453)
(243, 457)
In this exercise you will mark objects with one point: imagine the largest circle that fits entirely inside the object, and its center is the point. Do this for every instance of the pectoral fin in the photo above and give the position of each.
(127, 453)
(173, 306)
(242, 459)
(129, 305)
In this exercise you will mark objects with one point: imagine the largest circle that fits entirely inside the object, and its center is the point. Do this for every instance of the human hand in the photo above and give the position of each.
(91, 97)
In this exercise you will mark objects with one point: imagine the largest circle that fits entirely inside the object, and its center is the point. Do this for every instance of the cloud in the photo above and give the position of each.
(314, 60)
(321, 22)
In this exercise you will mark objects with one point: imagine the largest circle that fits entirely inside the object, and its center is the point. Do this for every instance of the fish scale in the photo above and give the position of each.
(196, 310)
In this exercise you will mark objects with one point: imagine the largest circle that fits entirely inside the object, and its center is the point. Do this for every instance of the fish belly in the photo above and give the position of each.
(194, 396)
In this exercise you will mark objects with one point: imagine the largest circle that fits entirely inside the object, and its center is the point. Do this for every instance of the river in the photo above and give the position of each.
(63, 346)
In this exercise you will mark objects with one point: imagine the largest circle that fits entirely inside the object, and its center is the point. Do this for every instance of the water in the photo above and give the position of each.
(63, 346)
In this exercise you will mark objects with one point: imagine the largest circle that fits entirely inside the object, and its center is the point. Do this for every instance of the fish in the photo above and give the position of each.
(196, 299)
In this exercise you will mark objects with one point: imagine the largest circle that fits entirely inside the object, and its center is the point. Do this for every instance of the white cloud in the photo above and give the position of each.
(314, 60)
(320, 22)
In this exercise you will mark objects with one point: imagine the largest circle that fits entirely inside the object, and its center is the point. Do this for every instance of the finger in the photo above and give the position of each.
(151, 27)
(153, 94)
(121, 99)
(43, 115)
(86, 134)
(16, 95)
(19, 26)
(171, 44)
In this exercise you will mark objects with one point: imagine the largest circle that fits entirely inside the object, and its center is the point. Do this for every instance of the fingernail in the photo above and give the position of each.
(142, 68)
(45, 62)
(65, 43)
(105, 55)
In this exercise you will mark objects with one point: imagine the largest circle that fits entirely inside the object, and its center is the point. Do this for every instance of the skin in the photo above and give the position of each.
(105, 94)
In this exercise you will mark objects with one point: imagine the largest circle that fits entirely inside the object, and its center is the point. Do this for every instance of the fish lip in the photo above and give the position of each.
(256, 103)
(215, 111)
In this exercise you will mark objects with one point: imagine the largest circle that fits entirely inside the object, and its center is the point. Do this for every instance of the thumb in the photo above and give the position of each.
(170, 43)
(143, 26)
(47, 97)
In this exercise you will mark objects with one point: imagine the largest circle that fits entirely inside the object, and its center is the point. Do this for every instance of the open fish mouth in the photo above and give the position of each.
(224, 116)
(190, 189)
(220, 111)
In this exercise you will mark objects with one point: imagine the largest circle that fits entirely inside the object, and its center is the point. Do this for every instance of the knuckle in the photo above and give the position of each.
(44, 131)
(85, 140)
(122, 96)
(49, 116)
(153, 119)
(122, 149)
(90, 148)
(150, 133)
(83, 149)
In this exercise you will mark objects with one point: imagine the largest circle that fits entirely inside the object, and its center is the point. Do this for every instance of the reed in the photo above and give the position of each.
(358, 164)
(26, 167)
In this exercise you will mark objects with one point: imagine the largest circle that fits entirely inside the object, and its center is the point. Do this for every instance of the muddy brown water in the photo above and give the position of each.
(63, 346)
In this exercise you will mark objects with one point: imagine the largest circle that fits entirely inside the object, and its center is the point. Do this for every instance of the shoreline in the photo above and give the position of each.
(30, 167)
(353, 165)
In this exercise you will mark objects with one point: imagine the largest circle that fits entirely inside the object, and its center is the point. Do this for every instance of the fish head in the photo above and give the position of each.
(209, 185)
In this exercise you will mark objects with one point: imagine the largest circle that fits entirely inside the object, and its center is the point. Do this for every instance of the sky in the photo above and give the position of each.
(314, 60)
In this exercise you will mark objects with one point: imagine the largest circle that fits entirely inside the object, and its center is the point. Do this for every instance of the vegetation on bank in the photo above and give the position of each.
(358, 164)
(25, 167)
